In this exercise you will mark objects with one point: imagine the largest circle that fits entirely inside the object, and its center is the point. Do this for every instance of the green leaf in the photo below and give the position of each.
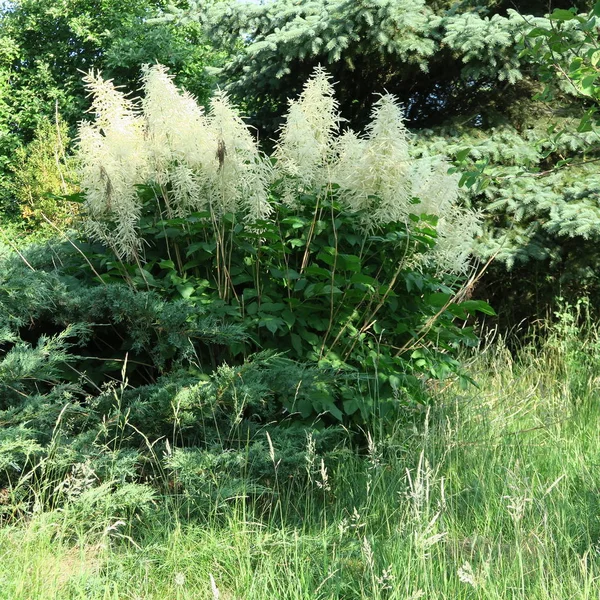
(242, 278)
(587, 85)
(328, 256)
(473, 306)
(304, 407)
(271, 323)
(288, 317)
(586, 123)
(315, 270)
(461, 155)
(414, 281)
(349, 262)
(438, 299)
(268, 307)
(364, 280)
(350, 406)
(285, 274)
(594, 57)
(79, 197)
(297, 343)
(166, 264)
(332, 409)
(190, 264)
(206, 246)
(538, 32)
(458, 311)
(249, 293)
(310, 337)
(560, 14)
(331, 289)
(295, 222)
(185, 290)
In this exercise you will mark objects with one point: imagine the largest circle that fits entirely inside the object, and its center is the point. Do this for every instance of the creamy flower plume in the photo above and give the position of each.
(240, 173)
(179, 141)
(111, 108)
(436, 189)
(456, 231)
(113, 160)
(306, 144)
(198, 161)
(176, 124)
(437, 192)
(212, 161)
(374, 172)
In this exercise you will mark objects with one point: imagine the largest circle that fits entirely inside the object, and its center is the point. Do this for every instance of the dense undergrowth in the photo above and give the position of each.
(245, 375)
(224, 305)
(101, 376)
(490, 493)
(248, 381)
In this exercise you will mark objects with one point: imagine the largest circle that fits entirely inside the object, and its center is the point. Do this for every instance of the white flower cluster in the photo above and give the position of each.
(199, 161)
(113, 159)
(305, 150)
(438, 194)
(211, 162)
(374, 173)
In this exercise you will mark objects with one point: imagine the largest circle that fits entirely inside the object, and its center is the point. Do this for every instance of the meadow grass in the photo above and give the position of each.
(493, 492)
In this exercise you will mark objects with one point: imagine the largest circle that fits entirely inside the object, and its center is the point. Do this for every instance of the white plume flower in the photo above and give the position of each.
(438, 194)
(213, 162)
(374, 172)
(378, 178)
(187, 190)
(456, 232)
(240, 174)
(436, 189)
(111, 108)
(179, 140)
(112, 159)
(306, 144)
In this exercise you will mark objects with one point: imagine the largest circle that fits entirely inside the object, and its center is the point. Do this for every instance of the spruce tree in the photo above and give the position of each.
(470, 91)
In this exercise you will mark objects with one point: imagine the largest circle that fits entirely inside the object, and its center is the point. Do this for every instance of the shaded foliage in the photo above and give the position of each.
(45, 45)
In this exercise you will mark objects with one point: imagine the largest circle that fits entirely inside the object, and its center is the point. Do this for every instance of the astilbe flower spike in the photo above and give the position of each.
(113, 159)
(180, 141)
(212, 162)
(240, 175)
(305, 149)
(373, 172)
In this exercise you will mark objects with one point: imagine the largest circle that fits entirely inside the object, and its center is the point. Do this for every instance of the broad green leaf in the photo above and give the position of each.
(185, 290)
(560, 14)
(438, 299)
(461, 155)
(478, 306)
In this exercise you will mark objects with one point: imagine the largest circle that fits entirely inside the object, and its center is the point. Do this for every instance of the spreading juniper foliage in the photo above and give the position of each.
(104, 372)
(472, 92)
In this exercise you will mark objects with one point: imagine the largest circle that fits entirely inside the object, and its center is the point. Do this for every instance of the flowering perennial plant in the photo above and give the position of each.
(211, 163)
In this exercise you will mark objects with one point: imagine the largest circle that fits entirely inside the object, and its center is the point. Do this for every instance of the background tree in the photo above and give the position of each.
(468, 91)
(45, 45)
(42, 171)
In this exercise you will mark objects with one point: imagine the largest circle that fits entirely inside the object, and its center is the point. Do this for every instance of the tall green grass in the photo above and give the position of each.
(490, 493)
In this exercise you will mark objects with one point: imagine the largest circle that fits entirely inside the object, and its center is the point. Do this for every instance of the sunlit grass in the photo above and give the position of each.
(492, 493)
